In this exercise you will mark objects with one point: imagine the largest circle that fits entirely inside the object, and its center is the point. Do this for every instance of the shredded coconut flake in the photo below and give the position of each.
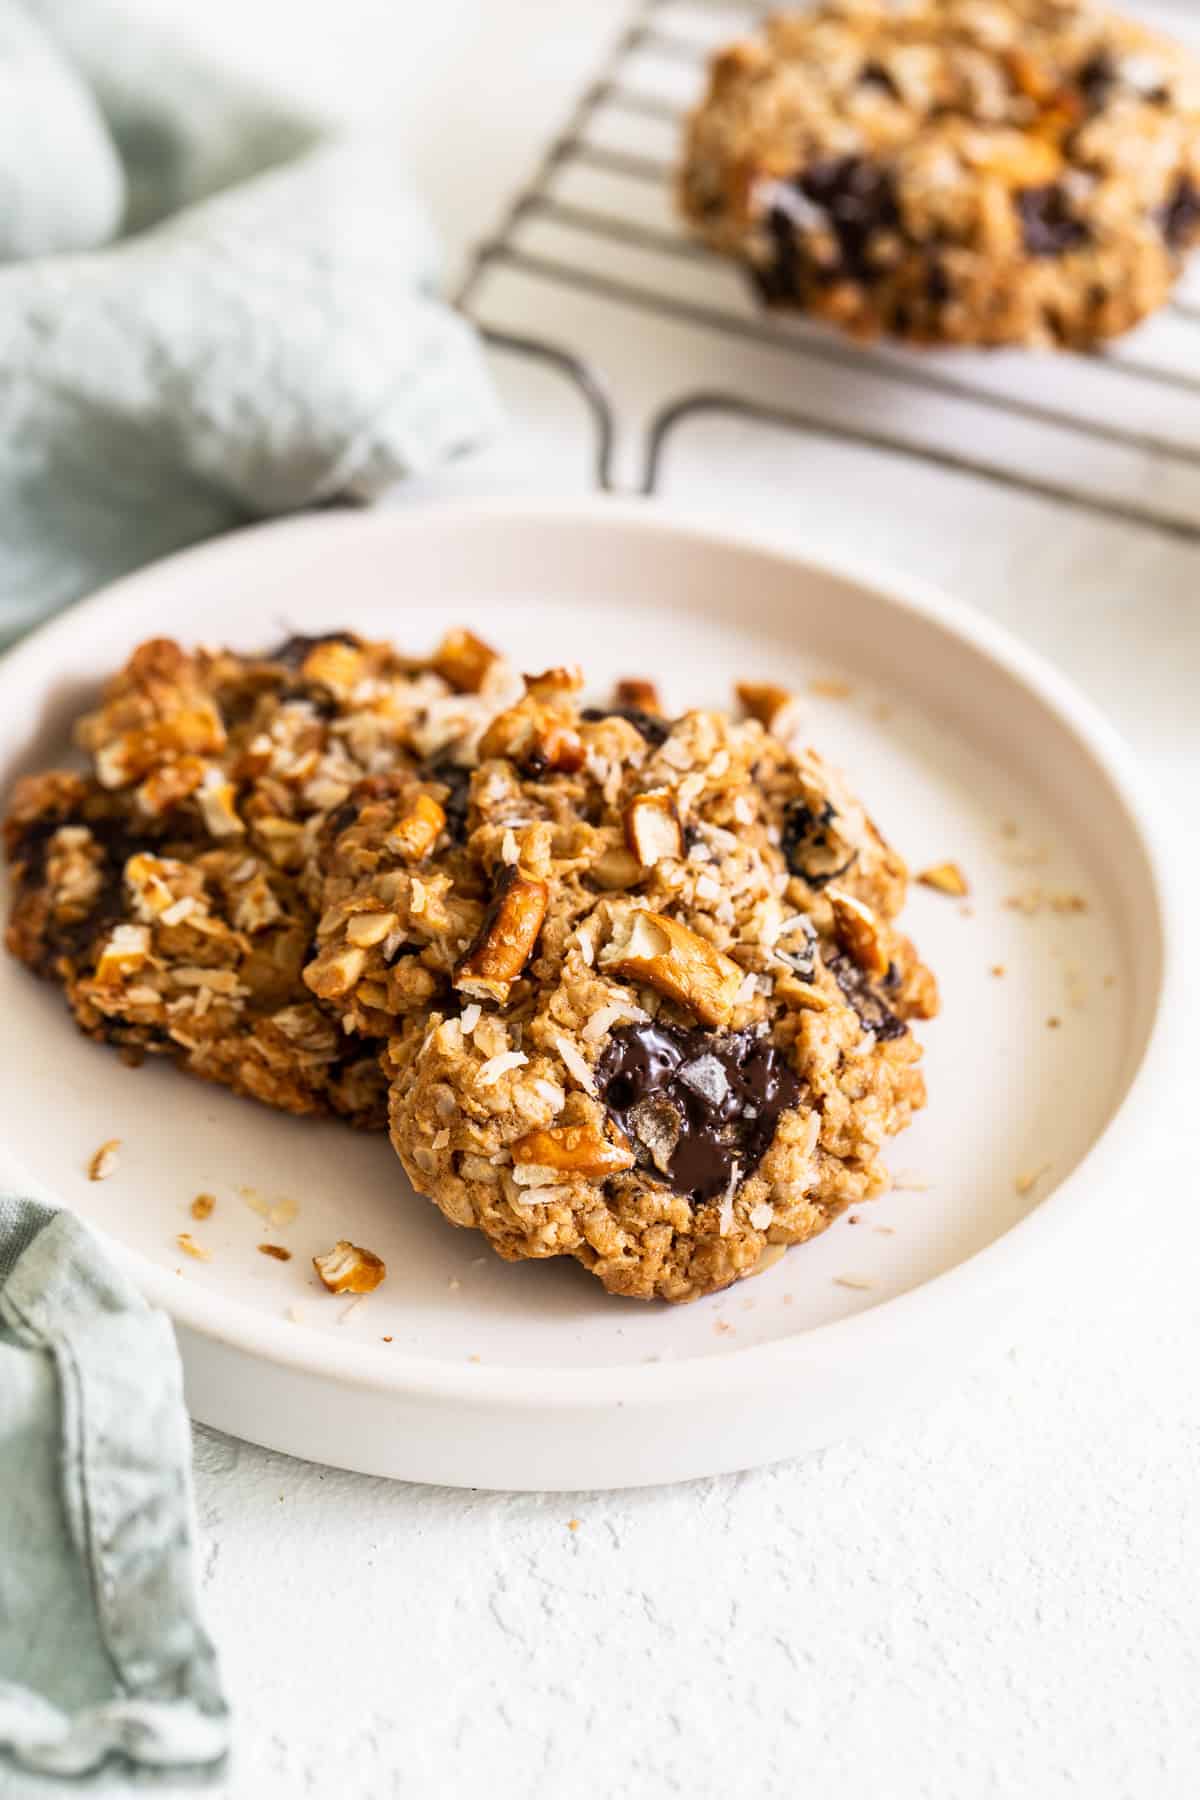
(490, 1072)
(179, 911)
(762, 1216)
(534, 1175)
(575, 1064)
(509, 851)
(607, 1016)
(470, 1019)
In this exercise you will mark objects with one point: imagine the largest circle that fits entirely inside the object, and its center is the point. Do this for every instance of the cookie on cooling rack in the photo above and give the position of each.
(677, 1036)
(973, 172)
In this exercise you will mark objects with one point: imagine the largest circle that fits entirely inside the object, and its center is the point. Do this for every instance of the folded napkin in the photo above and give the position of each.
(270, 346)
(101, 1650)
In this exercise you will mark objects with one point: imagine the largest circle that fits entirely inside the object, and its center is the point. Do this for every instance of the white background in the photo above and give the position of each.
(996, 1598)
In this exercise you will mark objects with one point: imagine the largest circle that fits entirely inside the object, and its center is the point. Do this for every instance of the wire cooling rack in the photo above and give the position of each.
(591, 274)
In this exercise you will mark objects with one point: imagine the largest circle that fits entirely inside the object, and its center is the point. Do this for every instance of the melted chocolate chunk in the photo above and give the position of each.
(1097, 79)
(341, 819)
(1047, 223)
(1180, 217)
(780, 279)
(805, 843)
(317, 698)
(652, 728)
(873, 1014)
(292, 652)
(860, 199)
(695, 1103)
(874, 75)
(456, 802)
(30, 852)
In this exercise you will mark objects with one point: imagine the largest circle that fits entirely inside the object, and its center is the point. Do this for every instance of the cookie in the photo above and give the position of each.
(976, 172)
(678, 1035)
(173, 889)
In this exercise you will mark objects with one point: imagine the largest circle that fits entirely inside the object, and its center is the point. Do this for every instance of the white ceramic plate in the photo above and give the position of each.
(467, 1370)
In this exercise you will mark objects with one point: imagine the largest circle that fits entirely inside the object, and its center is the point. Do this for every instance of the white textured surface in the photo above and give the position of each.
(996, 1598)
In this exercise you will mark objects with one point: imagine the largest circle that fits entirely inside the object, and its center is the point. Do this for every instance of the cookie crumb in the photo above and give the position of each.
(1053, 1022)
(1068, 902)
(858, 1282)
(722, 1326)
(454, 1284)
(103, 1161)
(475, 1359)
(277, 1251)
(886, 1230)
(998, 969)
(1025, 1184)
(945, 878)
(349, 1269)
(202, 1206)
(830, 687)
(572, 1524)
(283, 1212)
(387, 1340)
(190, 1247)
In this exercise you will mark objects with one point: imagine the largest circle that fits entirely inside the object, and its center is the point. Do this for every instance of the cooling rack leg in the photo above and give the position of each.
(585, 380)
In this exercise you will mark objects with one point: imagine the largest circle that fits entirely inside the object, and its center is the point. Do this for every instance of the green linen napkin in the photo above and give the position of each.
(102, 1654)
(239, 350)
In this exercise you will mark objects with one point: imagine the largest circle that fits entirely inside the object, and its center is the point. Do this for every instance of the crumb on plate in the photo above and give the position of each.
(103, 1161)
(945, 878)
(349, 1269)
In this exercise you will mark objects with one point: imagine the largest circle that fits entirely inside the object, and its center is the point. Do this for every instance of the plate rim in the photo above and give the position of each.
(408, 1375)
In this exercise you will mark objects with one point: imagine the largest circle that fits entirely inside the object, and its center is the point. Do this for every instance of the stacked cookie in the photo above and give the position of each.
(953, 171)
(624, 987)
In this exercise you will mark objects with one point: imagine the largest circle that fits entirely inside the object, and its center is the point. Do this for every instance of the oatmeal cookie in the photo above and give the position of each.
(173, 889)
(953, 171)
(678, 1034)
